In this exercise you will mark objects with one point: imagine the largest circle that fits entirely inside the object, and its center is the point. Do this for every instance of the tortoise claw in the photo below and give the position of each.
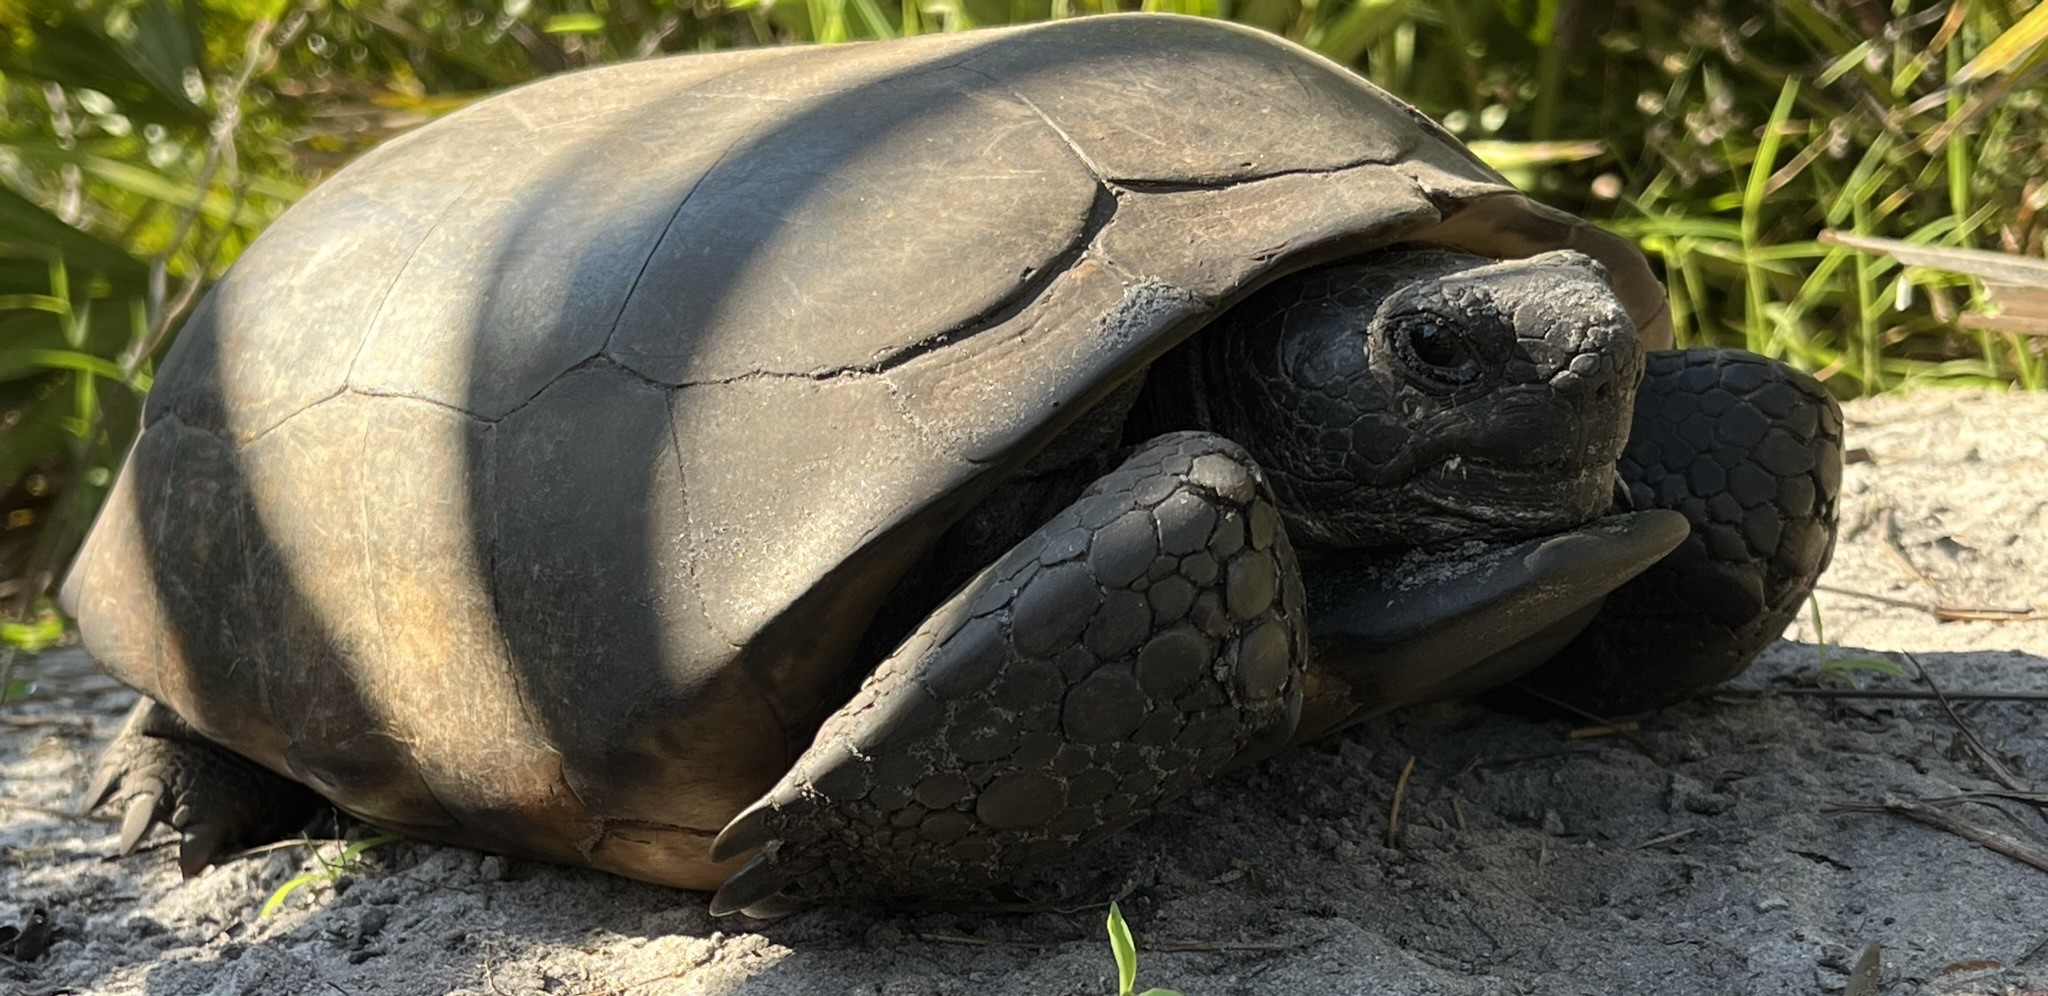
(746, 832)
(199, 845)
(104, 782)
(756, 882)
(137, 819)
(775, 908)
(158, 771)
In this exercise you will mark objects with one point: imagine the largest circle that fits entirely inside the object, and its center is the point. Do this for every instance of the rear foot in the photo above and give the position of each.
(1141, 641)
(160, 770)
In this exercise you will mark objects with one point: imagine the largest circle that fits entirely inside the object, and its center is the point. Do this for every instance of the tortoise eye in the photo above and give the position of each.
(1437, 347)
(1433, 344)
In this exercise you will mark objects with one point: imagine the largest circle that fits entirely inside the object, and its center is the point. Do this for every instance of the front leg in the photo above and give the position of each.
(1146, 637)
(1750, 451)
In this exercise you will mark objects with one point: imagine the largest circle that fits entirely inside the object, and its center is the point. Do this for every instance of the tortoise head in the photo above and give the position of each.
(1422, 395)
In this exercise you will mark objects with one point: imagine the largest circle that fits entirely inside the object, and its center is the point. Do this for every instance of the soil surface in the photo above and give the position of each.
(1732, 844)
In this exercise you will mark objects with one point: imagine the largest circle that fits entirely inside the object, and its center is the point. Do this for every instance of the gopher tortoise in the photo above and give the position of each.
(868, 470)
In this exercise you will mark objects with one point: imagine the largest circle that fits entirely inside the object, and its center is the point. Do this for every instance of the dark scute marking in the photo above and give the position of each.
(1775, 400)
(844, 781)
(1086, 788)
(1742, 426)
(1097, 513)
(946, 827)
(1019, 800)
(1725, 592)
(903, 719)
(1209, 616)
(1029, 683)
(1158, 729)
(1706, 477)
(1104, 708)
(1123, 550)
(1254, 581)
(1052, 610)
(1229, 535)
(1185, 521)
(1208, 728)
(1795, 497)
(1153, 490)
(1172, 661)
(1783, 455)
(1076, 663)
(899, 770)
(1265, 525)
(1038, 750)
(1744, 377)
(1119, 625)
(1064, 544)
(968, 662)
(830, 180)
(1263, 660)
(972, 850)
(1804, 421)
(1761, 529)
(941, 790)
(1802, 545)
(1752, 485)
(1170, 599)
(1725, 543)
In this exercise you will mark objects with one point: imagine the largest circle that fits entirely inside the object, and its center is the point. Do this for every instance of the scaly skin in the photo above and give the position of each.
(1130, 648)
(160, 770)
(1750, 451)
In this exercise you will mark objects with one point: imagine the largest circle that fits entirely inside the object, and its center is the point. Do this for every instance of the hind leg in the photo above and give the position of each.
(162, 771)
(1146, 637)
(1750, 451)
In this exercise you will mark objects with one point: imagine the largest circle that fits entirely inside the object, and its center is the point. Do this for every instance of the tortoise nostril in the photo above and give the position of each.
(1588, 375)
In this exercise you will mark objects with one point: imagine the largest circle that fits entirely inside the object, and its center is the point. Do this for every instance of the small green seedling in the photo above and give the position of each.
(329, 871)
(1126, 951)
(1846, 666)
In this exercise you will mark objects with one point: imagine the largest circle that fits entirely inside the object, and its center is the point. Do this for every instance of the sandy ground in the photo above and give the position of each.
(1717, 850)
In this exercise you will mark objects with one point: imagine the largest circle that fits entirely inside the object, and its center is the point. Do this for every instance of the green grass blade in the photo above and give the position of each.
(1761, 166)
(284, 892)
(67, 359)
(1124, 949)
(35, 302)
(2015, 46)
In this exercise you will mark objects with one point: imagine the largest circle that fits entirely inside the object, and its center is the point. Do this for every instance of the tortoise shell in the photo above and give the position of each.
(530, 483)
